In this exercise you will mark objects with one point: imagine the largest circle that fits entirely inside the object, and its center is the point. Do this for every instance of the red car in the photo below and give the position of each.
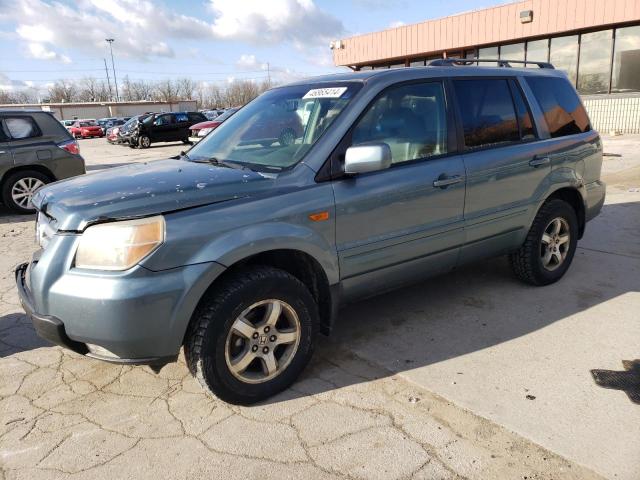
(274, 125)
(86, 129)
(202, 128)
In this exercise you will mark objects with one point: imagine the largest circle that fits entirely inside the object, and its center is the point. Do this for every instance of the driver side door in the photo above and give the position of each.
(397, 225)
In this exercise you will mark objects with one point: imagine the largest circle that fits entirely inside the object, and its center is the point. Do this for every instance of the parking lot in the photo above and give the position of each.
(468, 375)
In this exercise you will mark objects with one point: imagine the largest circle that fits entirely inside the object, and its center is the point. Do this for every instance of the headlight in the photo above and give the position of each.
(204, 131)
(119, 245)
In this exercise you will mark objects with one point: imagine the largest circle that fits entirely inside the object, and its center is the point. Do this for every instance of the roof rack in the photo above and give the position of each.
(449, 62)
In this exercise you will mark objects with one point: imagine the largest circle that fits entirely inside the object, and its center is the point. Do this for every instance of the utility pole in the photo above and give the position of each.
(113, 66)
(108, 81)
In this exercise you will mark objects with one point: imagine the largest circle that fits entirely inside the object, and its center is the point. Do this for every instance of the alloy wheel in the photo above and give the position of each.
(262, 341)
(23, 190)
(555, 243)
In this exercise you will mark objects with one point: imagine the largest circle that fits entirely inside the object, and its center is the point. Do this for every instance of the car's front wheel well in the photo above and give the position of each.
(299, 264)
(573, 198)
(26, 168)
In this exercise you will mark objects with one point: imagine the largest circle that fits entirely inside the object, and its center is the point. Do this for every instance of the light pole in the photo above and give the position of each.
(113, 66)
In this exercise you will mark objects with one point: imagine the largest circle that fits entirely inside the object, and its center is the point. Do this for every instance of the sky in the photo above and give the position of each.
(211, 41)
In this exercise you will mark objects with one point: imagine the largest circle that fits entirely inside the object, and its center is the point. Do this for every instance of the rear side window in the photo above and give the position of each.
(487, 111)
(21, 127)
(182, 117)
(560, 105)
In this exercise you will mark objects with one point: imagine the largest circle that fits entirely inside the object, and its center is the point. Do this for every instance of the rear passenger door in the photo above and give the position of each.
(505, 171)
(27, 143)
(399, 224)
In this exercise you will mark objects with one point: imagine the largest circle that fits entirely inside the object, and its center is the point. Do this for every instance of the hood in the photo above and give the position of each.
(144, 189)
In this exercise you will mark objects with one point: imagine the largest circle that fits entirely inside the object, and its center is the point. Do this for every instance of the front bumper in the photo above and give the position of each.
(139, 317)
(47, 327)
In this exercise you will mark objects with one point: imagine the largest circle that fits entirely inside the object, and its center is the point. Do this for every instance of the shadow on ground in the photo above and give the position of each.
(470, 309)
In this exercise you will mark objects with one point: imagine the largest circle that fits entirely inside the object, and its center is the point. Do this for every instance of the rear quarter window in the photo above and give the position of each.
(561, 106)
(21, 127)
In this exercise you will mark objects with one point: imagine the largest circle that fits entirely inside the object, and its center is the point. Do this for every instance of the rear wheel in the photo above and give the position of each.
(252, 336)
(550, 245)
(18, 190)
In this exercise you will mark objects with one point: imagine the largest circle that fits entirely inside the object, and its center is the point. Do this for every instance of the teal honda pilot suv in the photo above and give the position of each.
(242, 251)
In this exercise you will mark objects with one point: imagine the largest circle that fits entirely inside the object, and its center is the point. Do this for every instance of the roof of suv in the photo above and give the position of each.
(410, 73)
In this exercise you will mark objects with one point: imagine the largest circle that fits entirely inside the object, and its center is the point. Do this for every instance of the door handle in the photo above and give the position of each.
(443, 181)
(539, 161)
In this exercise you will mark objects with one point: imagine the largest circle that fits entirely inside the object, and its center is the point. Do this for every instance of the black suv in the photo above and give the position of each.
(35, 149)
(163, 127)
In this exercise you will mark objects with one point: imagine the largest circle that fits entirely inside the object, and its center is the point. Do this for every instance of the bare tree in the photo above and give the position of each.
(92, 90)
(166, 91)
(185, 88)
(63, 91)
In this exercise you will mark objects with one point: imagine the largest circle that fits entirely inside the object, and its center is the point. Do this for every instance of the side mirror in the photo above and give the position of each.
(367, 158)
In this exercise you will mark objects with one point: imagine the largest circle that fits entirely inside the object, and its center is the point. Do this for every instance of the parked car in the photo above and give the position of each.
(86, 129)
(103, 123)
(119, 134)
(243, 253)
(203, 128)
(212, 114)
(162, 127)
(35, 149)
(67, 123)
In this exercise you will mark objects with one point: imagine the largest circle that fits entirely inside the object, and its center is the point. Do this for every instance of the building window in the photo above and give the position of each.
(563, 112)
(538, 51)
(626, 60)
(488, 116)
(488, 53)
(470, 54)
(365, 67)
(514, 51)
(417, 63)
(397, 65)
(595, 62)
(564, 55)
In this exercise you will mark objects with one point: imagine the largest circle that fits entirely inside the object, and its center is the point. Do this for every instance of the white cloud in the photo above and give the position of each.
(299, 22)
(144, 29)
(250, 62)
(396, 24)
(40, 52)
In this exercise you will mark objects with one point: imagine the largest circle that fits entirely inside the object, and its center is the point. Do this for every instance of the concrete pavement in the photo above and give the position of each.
(470, 375)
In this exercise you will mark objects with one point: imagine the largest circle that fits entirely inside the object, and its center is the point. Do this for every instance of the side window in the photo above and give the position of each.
(21, 127)
(561, 106)
(524, 115)
(182, 117)
(488, 114)
(164, 120)
(411, 119)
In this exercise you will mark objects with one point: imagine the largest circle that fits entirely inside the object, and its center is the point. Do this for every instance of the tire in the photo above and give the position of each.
(144, 141)
(210, 341)
(25, 181)
(186, 141)
(536, 262)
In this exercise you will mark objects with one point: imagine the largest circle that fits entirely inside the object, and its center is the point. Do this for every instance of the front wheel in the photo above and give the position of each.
(144, 141)
(18, 190)
(550, 245)
(252, 335)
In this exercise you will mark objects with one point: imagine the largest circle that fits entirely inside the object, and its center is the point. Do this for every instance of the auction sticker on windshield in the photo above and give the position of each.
(333, 92)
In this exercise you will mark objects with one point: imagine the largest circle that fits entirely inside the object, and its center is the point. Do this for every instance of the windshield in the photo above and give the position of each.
(278, 128)
(88, 124)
